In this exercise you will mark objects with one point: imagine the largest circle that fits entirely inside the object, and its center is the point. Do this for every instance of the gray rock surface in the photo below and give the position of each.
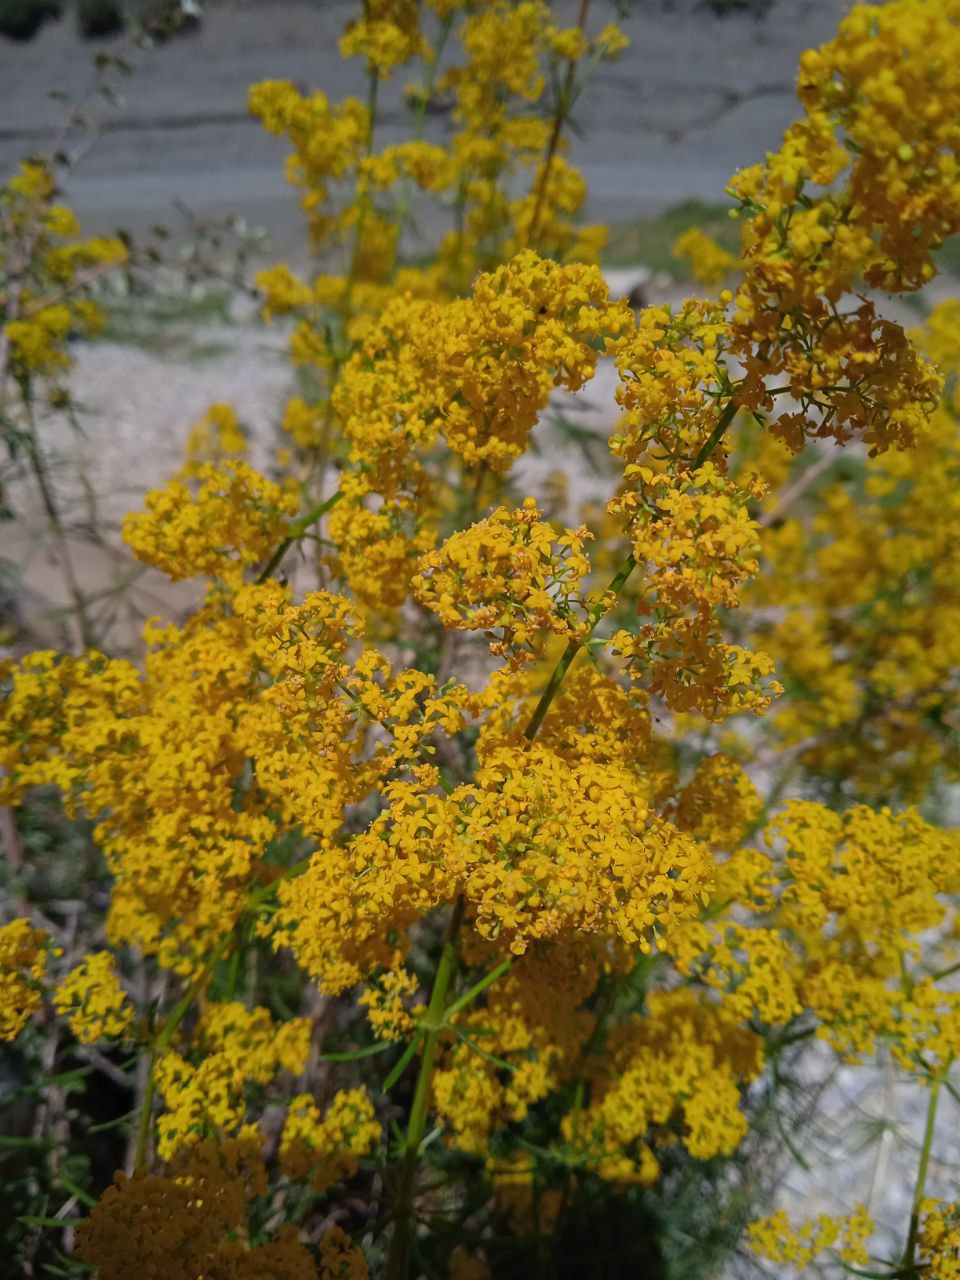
(693, 98)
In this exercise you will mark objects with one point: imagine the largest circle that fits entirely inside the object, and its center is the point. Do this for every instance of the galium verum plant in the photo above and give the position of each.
(485, 782)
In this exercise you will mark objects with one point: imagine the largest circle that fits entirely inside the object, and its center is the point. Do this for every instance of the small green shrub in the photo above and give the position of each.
(21, 19)
(98, 18)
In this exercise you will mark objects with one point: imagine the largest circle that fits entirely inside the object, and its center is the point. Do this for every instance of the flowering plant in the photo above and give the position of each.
(464, 894)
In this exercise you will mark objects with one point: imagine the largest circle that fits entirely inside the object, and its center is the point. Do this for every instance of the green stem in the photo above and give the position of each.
(296, 532)
(716, 435)
(39, 468)
(403, 209)
(478, 988)
(910, 1252)
(339, 353)
(398, 1263)
(617, 583)
(146, 1113)
(945, 973)
(564, 107)
(363, 195)
(788, 1038)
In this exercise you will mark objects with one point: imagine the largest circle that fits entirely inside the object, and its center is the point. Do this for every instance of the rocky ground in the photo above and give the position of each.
(693, 98)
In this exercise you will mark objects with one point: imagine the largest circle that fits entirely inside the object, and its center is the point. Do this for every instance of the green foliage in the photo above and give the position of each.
(98, 18)
(22, 19)
(650, 240)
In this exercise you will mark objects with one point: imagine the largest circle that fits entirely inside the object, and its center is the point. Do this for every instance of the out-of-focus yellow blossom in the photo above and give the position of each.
(235, 519)
(340, 1259)
(326, 1148)
(939, 1238)
(868, 599)
(719, 803)
(93, 1000)
(217, 438)
(23, 963)
(779, 1240)
(191, 1221)
(709, 262)
(51, 269)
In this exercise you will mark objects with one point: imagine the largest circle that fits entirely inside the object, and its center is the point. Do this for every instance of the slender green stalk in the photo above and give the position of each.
(945, 973)
(402, 1062)
(363, 196)
(39, 468)
(910, 1253)
(296, 532)
(478, 988)
(565, 103)
(716, 435)
(599, 610)
(340, 353)
(398, 1263)
(403, 209)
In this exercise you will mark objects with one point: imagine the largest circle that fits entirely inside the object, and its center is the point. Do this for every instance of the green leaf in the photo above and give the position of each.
(354, 1055)
(401, 1064)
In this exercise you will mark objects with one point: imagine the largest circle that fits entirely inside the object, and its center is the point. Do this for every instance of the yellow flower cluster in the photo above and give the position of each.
(340, 1259)
(861, 889)
(328, 142)
(538, 847)
(384, 1002)
(477, 372)
(695, 543)
(93, 1000)
(235, 520)
(387, 35)
(709, 262)
(880, 112)
(217, 438)
(682, 1066)
(548, 847)
(939, 1239)
(867, 597)
(325, 1149)
(719, 803)
(237, 1047)
(46, 301)
(672, 380)
(509, 574)
(777, 1239)
(23, 964)
(192, 1221)
(534, 1023)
